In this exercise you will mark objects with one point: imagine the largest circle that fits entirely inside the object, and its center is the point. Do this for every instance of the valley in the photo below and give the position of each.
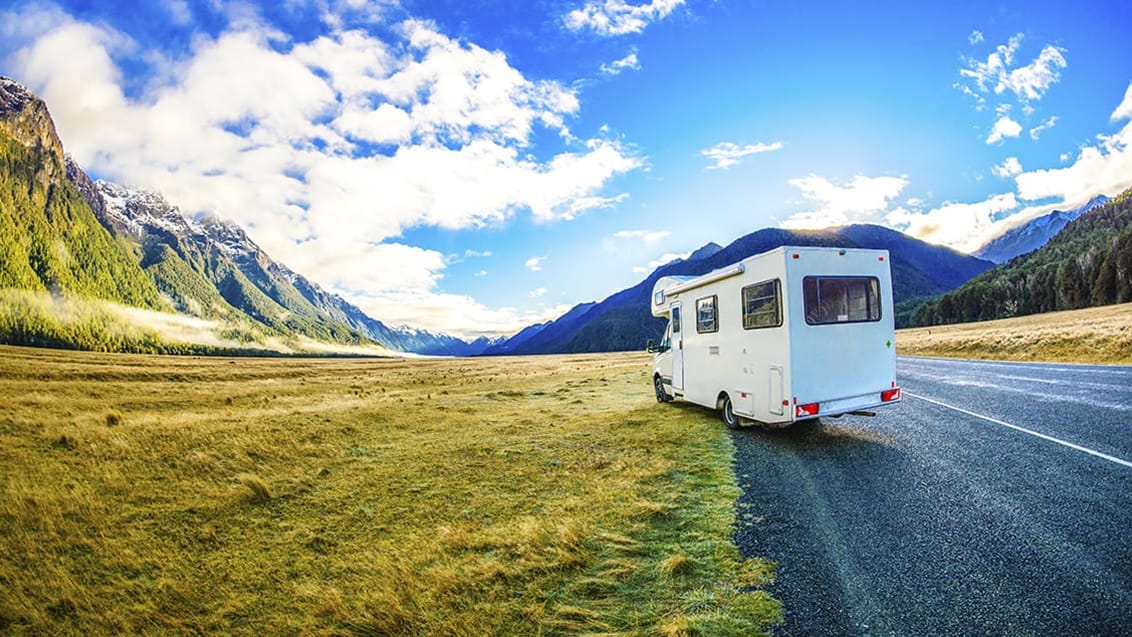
(542, 495)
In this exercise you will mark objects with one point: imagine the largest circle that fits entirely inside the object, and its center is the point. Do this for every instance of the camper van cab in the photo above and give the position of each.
(792, 334)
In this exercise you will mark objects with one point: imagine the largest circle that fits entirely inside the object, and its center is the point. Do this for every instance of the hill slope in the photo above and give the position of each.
(623, 321)
(1087, 264)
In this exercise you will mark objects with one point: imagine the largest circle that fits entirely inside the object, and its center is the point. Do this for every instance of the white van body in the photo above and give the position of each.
(792, 334)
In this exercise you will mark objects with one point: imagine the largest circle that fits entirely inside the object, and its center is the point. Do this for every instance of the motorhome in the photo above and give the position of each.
(789, 335)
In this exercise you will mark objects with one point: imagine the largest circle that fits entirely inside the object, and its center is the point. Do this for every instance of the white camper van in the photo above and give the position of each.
(792, 334)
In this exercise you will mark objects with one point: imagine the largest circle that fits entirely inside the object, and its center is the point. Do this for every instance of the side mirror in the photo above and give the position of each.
(650, 347)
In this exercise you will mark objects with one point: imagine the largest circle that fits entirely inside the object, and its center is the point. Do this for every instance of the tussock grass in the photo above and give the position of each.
(523, 496)
(260, 492)
(1093, 335)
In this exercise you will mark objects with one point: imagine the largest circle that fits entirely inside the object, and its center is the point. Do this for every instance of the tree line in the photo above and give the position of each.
(1087, 264)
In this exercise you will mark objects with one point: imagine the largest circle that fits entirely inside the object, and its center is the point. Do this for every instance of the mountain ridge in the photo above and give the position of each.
(622, 320)
(1033, 234)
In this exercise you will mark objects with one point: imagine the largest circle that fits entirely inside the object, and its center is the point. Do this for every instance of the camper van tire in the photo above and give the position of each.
(661, 395)
(729, 418)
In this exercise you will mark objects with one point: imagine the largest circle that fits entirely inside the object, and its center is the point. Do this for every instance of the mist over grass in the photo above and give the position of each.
(42, 319)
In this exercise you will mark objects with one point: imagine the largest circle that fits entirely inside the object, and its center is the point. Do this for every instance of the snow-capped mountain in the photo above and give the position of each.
(210, 267)
(1033, 234)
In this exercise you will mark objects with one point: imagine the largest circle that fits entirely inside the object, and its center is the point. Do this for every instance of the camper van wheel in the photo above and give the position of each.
(729, 417)
(661, 395)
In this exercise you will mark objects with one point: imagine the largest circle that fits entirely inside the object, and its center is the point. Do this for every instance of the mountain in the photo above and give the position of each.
(49, 239)
(1033, 234)
(1087, 264)
(705, 251)
(68, 243)
(623, 321)
(512, 344)
(209, 267)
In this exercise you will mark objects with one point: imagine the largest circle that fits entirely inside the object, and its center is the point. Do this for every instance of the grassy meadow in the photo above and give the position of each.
(1092, 335)
(529, 496)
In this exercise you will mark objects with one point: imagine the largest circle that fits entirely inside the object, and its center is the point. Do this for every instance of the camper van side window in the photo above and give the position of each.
(706, 319)
(760, 305)
(831, 300)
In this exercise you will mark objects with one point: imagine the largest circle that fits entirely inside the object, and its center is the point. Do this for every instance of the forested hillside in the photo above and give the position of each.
(1087, 264)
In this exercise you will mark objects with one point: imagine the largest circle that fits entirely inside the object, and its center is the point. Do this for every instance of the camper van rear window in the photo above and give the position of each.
(706, 317)
(760, 305)
(831, 300)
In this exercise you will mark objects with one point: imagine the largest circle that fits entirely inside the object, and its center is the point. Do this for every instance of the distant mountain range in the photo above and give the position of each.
(1033, 234)
(623, 321)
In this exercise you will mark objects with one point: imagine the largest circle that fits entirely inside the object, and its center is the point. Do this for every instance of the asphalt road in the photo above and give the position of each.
(928, 520)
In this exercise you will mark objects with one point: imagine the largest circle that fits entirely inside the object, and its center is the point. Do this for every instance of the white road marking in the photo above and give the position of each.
(1024, 430)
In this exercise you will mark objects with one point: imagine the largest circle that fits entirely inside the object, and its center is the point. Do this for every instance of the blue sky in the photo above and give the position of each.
(474, 167)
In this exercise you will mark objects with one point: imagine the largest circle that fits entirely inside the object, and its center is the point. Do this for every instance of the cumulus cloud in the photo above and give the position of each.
(629, 62)
(1124, 110)
(956, 225)
(537, 292)
(617, 17)
(862, 200)
(728, 154)
(325, 150)
(534, 264)
(975, 37)
(1004, 127)
(1008, 168)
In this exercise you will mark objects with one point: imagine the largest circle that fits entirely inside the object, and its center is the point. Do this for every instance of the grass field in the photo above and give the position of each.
(538, 495)
(1093, 335)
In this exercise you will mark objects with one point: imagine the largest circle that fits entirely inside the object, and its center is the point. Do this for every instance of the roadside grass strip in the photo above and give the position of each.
(520, 496)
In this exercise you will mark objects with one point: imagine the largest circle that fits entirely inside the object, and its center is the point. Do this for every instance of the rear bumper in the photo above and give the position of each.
(839, 406)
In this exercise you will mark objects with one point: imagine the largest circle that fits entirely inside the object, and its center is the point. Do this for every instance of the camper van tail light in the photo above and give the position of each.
(880, 258)
(890, 395)
(794, 256)
(809, 409)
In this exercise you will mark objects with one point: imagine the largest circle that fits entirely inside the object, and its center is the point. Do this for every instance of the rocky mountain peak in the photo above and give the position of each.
(25, 118)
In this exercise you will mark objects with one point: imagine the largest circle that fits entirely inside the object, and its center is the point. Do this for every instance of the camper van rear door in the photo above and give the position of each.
(677, 349)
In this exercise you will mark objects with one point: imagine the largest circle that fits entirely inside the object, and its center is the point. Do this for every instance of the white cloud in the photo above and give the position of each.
(1036, 131)
(617, 66)
(1004, 127)
(534, 264)
(1027, 83)
(860, 201)
(956, 225)
(324, 149)
(975, 37)
(1124, 110)
(1105, 168)
(667, 257)
(617, 17)
(1008, 168)
(728, 154)
(648, 237)
(537, 292)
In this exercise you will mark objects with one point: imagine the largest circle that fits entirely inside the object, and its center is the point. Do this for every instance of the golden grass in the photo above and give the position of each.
(1093, 335)
(539, 495)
